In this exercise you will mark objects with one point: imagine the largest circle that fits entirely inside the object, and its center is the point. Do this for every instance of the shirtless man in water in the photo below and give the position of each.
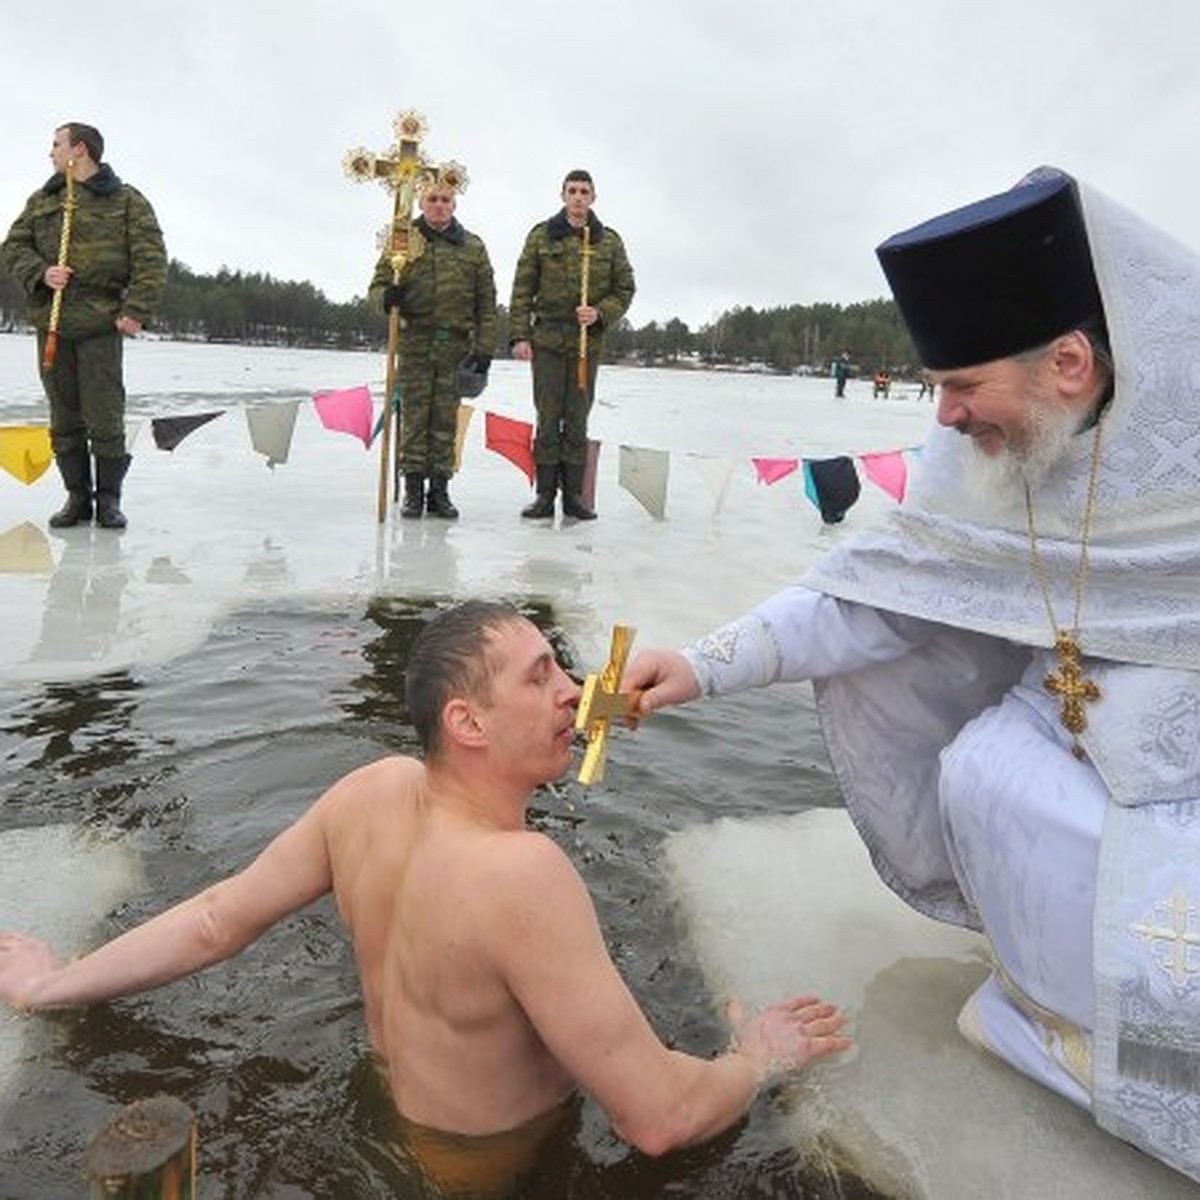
(488, 991)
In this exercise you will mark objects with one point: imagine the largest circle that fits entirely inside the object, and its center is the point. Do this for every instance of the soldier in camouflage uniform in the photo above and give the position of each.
(446, 297)
(545, 319)
(114, 276)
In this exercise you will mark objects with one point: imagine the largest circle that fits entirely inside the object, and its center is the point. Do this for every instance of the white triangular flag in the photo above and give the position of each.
(643, 473)
(717, 472)
(271, 427)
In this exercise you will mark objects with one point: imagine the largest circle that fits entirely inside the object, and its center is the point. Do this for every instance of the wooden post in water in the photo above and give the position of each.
(146, 1152)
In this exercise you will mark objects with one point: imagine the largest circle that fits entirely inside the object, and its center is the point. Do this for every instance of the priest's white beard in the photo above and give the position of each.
(1000, 479)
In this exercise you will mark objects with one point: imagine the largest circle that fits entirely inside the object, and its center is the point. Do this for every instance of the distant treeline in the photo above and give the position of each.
(246, 306)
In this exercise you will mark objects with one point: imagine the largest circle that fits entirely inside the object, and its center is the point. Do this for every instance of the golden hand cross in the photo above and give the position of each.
(601, 700)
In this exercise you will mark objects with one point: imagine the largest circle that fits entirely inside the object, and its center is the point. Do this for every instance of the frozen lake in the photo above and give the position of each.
(171, 696)
(211, 526)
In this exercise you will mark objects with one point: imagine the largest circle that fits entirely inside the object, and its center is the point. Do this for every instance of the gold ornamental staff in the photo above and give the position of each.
(405, 244)
(585, 262)
(50, 352)
(401, 172)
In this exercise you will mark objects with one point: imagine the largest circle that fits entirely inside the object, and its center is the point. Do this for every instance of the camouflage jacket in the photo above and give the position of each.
(116, 253)
(449, 286)
(547, 285)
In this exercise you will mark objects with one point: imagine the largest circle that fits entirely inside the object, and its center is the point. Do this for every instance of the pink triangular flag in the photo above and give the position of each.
(772, 470)
(888, 471)
(510, 439)
(347, 411)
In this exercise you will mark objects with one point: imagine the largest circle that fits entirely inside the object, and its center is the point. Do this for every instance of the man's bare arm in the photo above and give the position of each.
(657, 1098)
(213, 925)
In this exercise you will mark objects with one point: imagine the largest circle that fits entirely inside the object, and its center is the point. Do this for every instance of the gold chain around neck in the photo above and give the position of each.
(1069, 682)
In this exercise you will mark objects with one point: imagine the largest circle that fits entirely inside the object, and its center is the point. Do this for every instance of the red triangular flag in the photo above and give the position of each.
(512, 440)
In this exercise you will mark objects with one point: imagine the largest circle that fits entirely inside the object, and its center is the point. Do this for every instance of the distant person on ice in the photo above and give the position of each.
(841, 372)
(1008, 672)
(87, 293)
(489, 994)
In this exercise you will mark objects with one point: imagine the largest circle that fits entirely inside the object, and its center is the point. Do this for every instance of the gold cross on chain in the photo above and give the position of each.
(1070, 684)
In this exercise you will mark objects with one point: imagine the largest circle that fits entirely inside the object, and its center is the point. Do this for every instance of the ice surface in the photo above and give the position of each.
(786, 905)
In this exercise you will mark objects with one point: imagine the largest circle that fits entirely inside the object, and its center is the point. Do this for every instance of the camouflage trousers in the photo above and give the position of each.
(429, 401)
(86, 395)
(562, 408)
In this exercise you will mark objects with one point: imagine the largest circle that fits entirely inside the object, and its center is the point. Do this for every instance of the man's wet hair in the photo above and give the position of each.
(450, 658)
(579, 175)
(89, 135)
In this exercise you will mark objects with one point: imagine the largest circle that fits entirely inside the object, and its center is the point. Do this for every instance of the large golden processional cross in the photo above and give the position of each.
(405, 171)
(601, 700)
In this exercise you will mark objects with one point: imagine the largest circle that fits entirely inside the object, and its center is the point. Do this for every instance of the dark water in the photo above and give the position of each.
(201, 761)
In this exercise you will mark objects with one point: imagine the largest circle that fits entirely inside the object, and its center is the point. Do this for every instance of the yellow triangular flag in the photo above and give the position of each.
(25, 451)
(465, 413)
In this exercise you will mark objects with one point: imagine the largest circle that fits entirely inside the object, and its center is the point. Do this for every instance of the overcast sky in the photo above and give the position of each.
(749, 152)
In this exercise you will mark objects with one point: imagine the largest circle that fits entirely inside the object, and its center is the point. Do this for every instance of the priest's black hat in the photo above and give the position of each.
(998, 277)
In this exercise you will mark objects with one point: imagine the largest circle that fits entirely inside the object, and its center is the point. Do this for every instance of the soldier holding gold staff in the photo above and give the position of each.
(446, 297)
(89, 252)
(573, 283)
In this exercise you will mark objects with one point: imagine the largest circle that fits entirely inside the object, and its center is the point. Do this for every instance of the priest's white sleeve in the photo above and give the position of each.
(800, 634)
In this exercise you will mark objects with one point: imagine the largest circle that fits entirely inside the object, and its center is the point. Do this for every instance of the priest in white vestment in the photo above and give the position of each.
(1008, 670)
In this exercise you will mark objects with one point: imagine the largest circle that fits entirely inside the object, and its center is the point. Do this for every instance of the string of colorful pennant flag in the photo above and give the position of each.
(832, 485)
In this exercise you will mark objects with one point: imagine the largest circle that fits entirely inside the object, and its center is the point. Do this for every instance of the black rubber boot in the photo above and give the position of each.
(414, 495)
(110, 473)
(547, 490)
(437, 503)
(573, 505)
(75, 467)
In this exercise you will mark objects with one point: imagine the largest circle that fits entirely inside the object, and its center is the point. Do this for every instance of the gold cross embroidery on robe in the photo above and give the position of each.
(1172, 945)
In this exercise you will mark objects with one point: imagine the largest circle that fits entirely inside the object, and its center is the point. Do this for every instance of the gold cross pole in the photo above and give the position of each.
(601, 700)
(403, 170)
(50, 351)
(585, 270)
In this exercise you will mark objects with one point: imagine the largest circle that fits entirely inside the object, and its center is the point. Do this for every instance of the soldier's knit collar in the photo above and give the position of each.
(454, 232)
(103, 183)
(559, 227)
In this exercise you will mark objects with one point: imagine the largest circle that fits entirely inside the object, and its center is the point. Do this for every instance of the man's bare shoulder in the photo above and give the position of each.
(385, 778)
(527, 873)
(386, 787)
